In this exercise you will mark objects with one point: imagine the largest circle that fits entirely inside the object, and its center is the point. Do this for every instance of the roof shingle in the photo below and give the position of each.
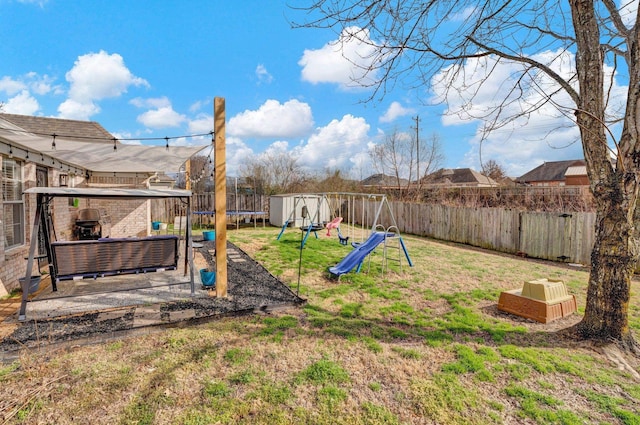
(73, 129)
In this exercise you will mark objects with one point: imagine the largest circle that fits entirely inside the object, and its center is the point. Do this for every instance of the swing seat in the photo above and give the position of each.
(333, 224)
(312, 228)
(113, 256)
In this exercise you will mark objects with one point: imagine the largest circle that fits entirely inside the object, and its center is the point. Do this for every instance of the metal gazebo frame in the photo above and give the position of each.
(46, 194)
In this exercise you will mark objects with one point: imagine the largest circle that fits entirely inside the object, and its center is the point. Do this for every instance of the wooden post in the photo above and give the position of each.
(187, 174)
(220, 179)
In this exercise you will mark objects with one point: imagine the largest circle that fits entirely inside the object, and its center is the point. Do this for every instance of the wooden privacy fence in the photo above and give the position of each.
(567, 237)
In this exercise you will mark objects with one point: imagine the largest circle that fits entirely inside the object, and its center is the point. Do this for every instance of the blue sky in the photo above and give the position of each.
(152, 69)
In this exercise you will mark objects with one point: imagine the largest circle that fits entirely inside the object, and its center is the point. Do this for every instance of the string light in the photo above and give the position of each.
(74, 136)
(10, 151)
(53, 142)
(167, 140)
(115, 147)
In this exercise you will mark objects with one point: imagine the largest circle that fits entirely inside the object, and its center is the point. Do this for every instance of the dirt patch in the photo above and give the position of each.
(250, 288)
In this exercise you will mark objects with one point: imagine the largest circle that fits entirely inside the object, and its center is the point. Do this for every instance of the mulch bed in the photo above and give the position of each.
(250, 288)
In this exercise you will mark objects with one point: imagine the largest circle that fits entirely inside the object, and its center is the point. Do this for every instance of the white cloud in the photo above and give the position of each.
(198, 105)
(203, 123)
(273, 119)
(628, 11)
(395, 111)
(39, 85)
(23, 104)
(237, 154)
(163, 117)
(11, 86)
(72, 109)
(337, 145)
(35, 83)
(345, 61)
(464, 14)
(157, 102)
(543, 135)
(263, 75)
(96, 76)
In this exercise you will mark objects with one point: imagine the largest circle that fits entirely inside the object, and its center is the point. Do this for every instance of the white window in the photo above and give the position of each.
(12, 203)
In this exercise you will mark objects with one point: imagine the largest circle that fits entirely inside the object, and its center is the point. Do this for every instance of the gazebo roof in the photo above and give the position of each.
(79, 192)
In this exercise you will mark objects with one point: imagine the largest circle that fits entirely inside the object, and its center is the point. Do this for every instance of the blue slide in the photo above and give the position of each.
(355, 257)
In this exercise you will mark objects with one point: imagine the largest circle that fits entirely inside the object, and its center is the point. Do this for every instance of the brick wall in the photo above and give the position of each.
(128, 217)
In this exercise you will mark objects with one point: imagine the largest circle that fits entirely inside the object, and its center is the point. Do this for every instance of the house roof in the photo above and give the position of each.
(382, 180)
(84, 130)
(576, 170)
(98, 157)
(550, 171)
(459, 176)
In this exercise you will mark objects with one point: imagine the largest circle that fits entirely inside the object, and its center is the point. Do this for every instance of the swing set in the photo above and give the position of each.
(328, 211)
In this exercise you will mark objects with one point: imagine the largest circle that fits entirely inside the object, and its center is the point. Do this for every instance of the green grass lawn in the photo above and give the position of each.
(396, 346)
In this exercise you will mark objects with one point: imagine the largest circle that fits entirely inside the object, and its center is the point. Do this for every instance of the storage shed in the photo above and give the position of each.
(298, 209)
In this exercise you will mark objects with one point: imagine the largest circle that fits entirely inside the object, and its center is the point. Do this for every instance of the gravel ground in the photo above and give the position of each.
(250, 288)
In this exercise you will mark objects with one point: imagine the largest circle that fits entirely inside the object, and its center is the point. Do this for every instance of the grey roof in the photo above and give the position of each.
(550, 171)
(85, 130)
(382, 180)
(459, 176)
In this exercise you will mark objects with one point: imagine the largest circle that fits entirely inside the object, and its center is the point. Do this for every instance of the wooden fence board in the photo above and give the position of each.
(551, 236)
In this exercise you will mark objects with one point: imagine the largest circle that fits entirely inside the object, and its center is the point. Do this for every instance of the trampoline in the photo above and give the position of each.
(251, 215)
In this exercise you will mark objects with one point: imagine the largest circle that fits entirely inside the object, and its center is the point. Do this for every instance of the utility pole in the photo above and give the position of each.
(417, 118)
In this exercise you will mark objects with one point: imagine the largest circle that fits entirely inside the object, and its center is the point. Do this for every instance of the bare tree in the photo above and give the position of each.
(493, 170)
(273, 172)
(420, 40)
(431, 156)
(395, 157)
(199, 174)
(335, 180)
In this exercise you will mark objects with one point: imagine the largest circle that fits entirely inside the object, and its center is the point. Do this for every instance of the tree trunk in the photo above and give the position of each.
(612, 266)
(615, 190)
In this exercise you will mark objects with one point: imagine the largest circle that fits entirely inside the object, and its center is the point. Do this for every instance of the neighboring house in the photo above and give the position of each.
(383, 181)
(457, 177)
(162, 181)
(557, 173)
(576, 175)
(39, 151)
